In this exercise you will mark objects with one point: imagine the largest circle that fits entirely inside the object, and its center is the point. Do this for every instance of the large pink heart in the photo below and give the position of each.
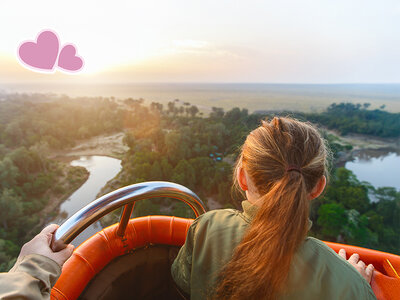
(68, 60)
(41, 54)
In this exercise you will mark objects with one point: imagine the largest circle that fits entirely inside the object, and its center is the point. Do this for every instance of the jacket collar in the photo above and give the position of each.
(250, 211)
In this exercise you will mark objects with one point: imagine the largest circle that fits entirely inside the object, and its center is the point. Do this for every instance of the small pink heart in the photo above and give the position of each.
(41, 54)
(68, 60)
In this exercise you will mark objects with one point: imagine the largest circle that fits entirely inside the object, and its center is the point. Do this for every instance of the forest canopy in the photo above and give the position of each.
(177, 142)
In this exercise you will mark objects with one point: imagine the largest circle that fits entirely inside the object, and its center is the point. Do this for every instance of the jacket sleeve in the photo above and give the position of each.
(32, 277)
(181, 268)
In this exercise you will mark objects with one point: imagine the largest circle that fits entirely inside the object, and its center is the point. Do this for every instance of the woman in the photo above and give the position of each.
(264, 252)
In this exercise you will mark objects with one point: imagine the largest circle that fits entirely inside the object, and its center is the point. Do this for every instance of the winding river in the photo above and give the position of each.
(101, 169)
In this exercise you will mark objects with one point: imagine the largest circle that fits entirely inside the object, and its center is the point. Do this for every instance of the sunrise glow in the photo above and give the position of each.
(225, 41)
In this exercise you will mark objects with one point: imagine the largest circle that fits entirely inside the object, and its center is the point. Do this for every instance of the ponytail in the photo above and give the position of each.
(260, 264)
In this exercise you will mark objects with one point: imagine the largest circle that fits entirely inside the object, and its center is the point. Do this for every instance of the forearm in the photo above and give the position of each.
(32, 277)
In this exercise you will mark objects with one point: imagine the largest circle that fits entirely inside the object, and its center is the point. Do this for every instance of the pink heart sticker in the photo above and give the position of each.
(41, 54)
(68, 60)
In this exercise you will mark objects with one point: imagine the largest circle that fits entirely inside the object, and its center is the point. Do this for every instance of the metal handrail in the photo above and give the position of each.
(125, 196)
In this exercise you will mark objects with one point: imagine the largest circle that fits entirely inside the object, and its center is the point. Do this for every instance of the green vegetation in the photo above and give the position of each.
(346, 214)
(175, 143)
(57, 123)
(353, 118)
(356, 118)
(30, 182)
(176, 146)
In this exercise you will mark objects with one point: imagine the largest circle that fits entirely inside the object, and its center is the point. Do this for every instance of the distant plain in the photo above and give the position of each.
(253, 96)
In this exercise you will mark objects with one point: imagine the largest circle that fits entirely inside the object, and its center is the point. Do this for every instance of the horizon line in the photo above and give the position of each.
(205, 82)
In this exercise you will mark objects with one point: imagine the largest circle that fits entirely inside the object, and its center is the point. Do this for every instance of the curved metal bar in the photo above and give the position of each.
(129, 194)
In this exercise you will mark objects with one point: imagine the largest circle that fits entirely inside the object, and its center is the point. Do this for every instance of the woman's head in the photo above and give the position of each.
(285, 160)
(281, 147)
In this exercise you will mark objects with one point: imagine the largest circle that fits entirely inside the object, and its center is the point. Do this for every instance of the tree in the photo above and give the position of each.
(142, 171)
(27, 161)
(167, 169)
(8, 173)
(13, 134)
(348, 191)
(173, 146)
(155, 106)
(171, 107)
(3, 149)
(331, 218)
(8, 253)
(129, 140)
(182, 210)
(11, 207)
(146, 207)
(158, 139)
(193, 110)
(156, 172)
(184, 174)
(42, 149)
(356, 230)
(217, 113)
(366, 105)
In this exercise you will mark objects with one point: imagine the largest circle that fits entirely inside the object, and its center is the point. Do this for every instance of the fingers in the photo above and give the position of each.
(369, 271)
(361, 264)
(50, 229)
(48, 232)
(64, 254)
(67, 251)
(354, 259)
(342, 253)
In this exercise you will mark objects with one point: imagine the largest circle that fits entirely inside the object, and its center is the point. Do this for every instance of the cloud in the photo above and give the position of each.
(198, 47)
(190, 44)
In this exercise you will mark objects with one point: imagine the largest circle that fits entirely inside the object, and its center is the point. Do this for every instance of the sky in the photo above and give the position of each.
(286, 41)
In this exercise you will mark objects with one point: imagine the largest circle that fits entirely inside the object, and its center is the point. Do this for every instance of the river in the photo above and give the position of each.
(379, 167)
(101, 169)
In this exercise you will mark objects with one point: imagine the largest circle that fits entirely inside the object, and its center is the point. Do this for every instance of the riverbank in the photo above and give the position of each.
(102, 145)
(68, 182)
(376, 146)
(112, 146)
(359, 141)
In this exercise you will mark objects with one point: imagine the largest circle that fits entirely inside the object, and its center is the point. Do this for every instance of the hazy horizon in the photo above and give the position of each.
(253, 96)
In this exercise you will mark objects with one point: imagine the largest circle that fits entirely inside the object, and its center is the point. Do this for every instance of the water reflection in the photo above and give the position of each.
(367, 155)
(378, 167)
(101, 169)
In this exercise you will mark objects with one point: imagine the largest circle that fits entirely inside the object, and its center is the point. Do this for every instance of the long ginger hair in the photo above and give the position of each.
(260, 264)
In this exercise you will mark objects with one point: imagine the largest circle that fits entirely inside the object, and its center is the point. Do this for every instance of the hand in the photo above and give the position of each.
(355, 261)
(40, 244)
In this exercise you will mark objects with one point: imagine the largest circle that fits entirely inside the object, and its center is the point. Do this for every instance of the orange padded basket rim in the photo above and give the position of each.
(99, 250)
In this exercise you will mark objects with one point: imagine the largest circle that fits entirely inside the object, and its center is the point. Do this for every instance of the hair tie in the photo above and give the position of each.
(293, 168)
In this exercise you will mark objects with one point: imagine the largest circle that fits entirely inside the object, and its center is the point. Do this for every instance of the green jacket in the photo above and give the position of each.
(317, 272)
(32, 277)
